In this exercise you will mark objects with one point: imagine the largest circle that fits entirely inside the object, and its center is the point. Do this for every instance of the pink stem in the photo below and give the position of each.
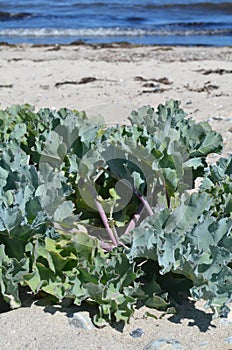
(132, 224)
(106, 246)
(103, 216)
(145, 203)
(105, 222)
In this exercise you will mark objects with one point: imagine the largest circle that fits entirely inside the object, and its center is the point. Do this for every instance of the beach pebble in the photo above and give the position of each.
(164, 344)
(203, 343)
(81, 320)
(137, 333)
(228, 340)
(226, 322)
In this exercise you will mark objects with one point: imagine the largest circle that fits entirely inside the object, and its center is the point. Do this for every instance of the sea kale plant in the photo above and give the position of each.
(106, 215)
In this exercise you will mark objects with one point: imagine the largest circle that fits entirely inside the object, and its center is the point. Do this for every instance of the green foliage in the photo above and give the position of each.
(218, 183)
(102, 215)
(190, 243)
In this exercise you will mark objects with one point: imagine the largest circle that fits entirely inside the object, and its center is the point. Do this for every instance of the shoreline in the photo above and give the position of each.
(119, 44)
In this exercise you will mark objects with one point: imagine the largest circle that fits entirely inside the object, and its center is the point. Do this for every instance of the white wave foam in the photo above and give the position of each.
(47, 32)
(105, 32)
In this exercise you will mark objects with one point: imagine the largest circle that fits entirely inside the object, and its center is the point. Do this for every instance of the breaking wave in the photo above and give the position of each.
(110, 32)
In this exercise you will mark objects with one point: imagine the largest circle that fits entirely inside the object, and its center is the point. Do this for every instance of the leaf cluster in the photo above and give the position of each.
(102, 214)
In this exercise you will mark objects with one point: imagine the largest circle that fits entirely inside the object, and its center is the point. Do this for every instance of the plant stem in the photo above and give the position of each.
(134, 220)
(103, 216)
(106, 246)
(144, 202)
(105, 221)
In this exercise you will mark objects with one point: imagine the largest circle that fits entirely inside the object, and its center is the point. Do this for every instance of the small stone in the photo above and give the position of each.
(226, 322)
(228, 340)
(137, 333)
(203, 343)
(81, 320)
(164, 344)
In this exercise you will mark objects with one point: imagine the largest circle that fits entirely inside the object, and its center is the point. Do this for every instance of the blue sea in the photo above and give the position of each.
(176, 22)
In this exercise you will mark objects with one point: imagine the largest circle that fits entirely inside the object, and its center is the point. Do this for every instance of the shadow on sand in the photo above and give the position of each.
(186, 310)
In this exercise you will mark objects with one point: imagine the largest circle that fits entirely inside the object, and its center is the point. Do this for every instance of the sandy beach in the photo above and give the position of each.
(109, 81)
(112, 80)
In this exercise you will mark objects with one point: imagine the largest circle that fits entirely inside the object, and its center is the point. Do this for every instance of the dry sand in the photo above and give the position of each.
(45, 328)
(123, 78)
(111, 81)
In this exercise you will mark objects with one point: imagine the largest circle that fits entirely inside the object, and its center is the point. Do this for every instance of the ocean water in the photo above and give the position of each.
(176, 22)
